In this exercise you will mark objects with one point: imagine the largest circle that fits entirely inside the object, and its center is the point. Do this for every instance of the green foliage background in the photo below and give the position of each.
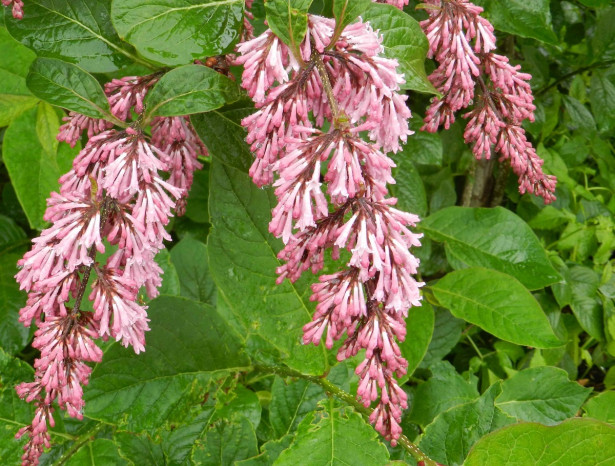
(512, 355)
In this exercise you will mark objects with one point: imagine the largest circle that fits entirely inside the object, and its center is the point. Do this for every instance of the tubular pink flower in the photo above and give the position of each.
(332, 192)
(76, 124)
(128, 93)
(17, 7)
(462, 43)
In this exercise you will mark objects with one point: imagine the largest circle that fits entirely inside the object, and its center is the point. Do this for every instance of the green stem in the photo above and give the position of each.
(573, 73)
(346, 397)
(79, 442)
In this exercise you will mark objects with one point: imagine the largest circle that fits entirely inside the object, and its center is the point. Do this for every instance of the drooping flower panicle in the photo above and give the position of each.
(115, 197)
(462, 42)
(331, 187)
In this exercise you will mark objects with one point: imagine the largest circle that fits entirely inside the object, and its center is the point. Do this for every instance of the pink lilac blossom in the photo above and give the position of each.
(17, 7)
(396, 3)
(332, 192)
(462, 42)
(114, 195)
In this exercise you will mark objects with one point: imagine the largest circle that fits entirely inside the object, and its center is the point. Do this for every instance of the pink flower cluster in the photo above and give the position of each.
(462, 42)
(17, 7)
(331, 187)
(113, 200)
(396, 3)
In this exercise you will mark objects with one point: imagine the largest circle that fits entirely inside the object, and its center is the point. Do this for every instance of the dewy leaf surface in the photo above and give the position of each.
(68, 86)
(574, 442)
(176, 32)
(541, 394)
(190, 89)
(188, 343)
(242, 260)
(78, 31)
(493, 238)
(497, 303)
(334, 437)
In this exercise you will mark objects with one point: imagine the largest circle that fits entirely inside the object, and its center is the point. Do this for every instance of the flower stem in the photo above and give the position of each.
(336, 113)
(346, 397)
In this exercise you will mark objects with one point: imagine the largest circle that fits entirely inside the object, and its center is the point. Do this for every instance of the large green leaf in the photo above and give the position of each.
(585, 304)
(574, 442)
(525, 18)
(408, 188)
(288, 20)
(11, 236)
(404, 40)
(419, 330)
(78, 31)
(449, 438)
(290, 403)
(190, 89)
(35, 160)
(176, 32)
(225, 443)
(601, 407)
(346, 11)
(15, 60)
(66, 85)
(446, 333)
(13, 335)
(335, 437)
(188, 343)
(444, 390)
(242, 260)
(493, 238)
(98, 452)
(603, 41)
(541, 394)
(222, 133)
(602, 98)
(190, 259)
(497, 303)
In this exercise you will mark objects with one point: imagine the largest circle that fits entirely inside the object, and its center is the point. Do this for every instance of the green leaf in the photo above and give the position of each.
(35, 160)
(601, 407)
(15, 60)
(580, 117)
(288, 20)
(78, 31)
(603, 42)
(602, 98)
(422, 148)
(190, 259)
(290, 403)
(449, 438)
(13, 335)
(525, 18)
(170, 280)
(586, 306)
(493, 238)
(498, 304)
(334, 437)
(577, 441)
(446, 333)
(404, 40)
(139, 449)
(222, 133)
(346, 11)
(408, 188)
(68, 86)
(189, 342)
(14, 412)
(11, 236)
(98, 452)
(541, 394)
(190, 89)
(419, 330)
(177, 32)
(197, 206)
(243, 260)
(225, 443)
(445, 389)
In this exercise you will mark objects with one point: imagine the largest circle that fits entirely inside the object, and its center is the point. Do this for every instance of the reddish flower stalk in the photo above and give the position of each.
(113, 196)
(462, 42)
(350, 86)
